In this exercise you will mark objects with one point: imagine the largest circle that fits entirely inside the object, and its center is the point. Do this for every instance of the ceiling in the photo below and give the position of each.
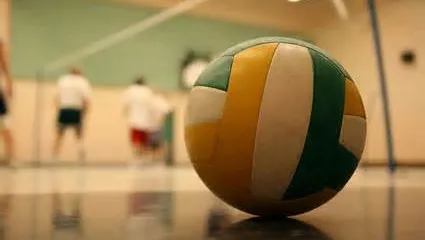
(300, 17)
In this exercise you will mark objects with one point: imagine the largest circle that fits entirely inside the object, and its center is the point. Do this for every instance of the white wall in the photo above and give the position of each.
(402, 26)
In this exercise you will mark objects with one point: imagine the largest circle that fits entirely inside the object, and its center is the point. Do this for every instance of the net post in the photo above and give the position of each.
(38, 107)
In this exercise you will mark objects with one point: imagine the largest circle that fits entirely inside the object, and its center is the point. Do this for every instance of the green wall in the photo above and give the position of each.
(44, 30)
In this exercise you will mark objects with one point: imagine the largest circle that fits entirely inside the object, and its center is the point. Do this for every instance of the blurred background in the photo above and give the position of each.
(168, 42)
(43, 32)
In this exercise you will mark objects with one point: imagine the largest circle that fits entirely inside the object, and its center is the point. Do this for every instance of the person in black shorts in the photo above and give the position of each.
(70, 118)
(5, 96)
(72, 103)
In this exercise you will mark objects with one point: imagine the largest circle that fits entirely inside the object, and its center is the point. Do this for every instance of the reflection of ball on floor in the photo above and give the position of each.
(271, 228)
(275, 126)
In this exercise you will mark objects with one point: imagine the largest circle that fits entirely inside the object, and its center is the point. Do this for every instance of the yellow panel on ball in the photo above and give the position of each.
(201, 141)
(353, 129)
(353, 100)
(232, 159)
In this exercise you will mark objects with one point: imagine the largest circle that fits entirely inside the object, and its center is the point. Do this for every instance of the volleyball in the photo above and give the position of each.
(275, 126)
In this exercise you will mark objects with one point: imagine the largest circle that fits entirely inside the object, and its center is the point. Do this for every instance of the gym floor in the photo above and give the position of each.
(155, 202)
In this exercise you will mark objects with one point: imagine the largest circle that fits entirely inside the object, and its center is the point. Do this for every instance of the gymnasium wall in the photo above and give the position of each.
(402, 27)
(43, 30)
(106, 131)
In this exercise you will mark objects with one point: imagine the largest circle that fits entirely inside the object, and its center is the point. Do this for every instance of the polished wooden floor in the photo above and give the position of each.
(171, 203)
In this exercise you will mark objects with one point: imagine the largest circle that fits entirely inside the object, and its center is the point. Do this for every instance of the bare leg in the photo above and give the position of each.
(81, 147)
(58, 142)
(157, 146)
(158, 153)
(140, 152)
(137, 154)
(147, 151)
(8, 144)
(137, 151)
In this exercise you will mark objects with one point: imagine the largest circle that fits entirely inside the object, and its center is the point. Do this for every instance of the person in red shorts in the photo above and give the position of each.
(137, 106)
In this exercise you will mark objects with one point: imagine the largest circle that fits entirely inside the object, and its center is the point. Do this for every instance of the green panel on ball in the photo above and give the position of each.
(321, 148)
(244, 45)
(343, 167)
(217, 74)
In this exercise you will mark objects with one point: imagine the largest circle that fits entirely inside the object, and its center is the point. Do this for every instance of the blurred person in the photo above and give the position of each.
(72, 104)
(145, 218)
(5, 97)
(66, 208)
(137, 107)
(159, 110)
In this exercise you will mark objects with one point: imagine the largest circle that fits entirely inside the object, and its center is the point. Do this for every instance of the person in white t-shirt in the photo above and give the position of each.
(72, 103)
(160, 109)
(137, 106)
(5, 96)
